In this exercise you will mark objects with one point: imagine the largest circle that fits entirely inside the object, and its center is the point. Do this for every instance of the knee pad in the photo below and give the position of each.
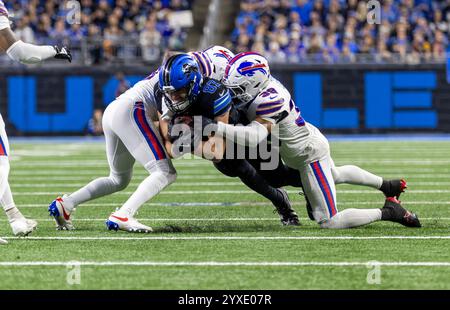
(227, 168)
(121, 180)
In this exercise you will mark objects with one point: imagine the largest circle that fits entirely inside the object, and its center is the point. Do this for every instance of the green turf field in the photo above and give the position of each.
(213, 233)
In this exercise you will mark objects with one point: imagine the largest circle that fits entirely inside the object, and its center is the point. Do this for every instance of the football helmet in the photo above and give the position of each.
(246, 75)
(179, 80)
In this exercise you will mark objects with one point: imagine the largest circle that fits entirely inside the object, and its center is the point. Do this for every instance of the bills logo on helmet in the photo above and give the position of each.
(248, 68)
(222, 53)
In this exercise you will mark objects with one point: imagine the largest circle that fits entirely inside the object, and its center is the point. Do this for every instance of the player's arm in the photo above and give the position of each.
(164, 130)
(24, 52)
(250, 135)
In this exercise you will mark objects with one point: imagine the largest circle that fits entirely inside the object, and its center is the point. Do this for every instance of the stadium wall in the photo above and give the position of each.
(337, 98)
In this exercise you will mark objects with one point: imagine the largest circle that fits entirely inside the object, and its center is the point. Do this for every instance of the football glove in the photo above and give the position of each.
(63, 53)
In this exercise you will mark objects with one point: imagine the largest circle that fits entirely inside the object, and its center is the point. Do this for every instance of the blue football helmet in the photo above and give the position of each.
(179, 80)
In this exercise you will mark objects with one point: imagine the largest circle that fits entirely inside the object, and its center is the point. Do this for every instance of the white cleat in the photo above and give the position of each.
(117, 222)
(23, 226)
(3, 241)
(61, 214)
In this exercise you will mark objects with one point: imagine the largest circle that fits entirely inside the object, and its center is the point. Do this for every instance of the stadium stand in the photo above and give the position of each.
(338, 31)
(104, 30)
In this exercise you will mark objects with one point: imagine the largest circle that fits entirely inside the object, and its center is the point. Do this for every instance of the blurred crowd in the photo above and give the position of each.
(111, 28)
(338, 30)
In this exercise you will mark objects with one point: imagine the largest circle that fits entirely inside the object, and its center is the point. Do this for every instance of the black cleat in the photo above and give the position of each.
(393, 188)
(394, 212)
(287, 214)
(308, 207)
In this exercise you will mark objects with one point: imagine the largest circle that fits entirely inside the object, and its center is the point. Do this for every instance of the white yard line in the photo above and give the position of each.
(196, 162)
(181, 192)
(192, 184)
(222, 264)
(253, 238)
(235, 219)
(231, 204)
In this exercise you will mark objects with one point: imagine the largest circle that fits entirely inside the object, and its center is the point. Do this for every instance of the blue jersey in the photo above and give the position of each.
(213, 100)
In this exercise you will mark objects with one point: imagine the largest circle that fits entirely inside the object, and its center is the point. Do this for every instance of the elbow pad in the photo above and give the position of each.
(29, 53)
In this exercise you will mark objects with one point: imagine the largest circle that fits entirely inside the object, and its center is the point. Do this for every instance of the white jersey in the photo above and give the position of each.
(146, 91)
(213, 61)
(3, 10)
(4, 18)
(297, 137)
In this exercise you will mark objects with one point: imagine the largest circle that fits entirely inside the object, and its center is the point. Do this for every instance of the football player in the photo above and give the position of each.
(27, 54)
(130, 135)
(303, 147)
(186, 91)
(24, 52)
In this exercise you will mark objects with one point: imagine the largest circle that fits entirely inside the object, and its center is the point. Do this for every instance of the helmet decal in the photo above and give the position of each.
(222, 53)
(248, 68)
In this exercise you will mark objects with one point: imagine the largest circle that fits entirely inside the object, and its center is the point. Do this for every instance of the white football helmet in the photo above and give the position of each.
(246, 75)
(219, 57)
(213, 61)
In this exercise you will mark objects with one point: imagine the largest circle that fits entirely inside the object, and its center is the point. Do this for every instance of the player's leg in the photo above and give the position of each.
(320, 189)
(351, 174)
(319, 186)
(242, 169)
(280, 176)
(121, 168)
(144, 143)
(19, 224)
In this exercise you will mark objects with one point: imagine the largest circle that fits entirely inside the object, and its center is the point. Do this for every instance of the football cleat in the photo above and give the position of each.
(287, 215)
(61, 214)
(117, 222)
(23, 226)
(309, 209)
(393, 188)
(394, 212)
(3, 241)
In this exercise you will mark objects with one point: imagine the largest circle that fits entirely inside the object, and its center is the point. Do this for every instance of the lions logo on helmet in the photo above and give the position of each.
(179, 80)
(246, 75)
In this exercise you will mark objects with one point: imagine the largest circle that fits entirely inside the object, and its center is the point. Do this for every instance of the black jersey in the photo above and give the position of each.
(213, 99)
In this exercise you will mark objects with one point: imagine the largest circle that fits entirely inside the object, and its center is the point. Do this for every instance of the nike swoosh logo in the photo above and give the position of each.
(123, 219)
(66, 216)
(223, 93)
(272, 97)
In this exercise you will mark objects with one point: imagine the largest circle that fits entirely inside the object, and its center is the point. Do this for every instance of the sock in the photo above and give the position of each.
(352, 218)
(14, 214)
(149, 188)
(98, 188)
(6, 198)
(29, 53)
(354, 175)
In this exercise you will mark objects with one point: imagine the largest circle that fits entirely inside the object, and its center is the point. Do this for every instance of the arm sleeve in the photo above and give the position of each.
(250, 135)
(29, 53)
(222, 104)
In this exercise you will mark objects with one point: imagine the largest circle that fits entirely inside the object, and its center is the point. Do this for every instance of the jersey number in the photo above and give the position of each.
(211, 87)
(270, 91)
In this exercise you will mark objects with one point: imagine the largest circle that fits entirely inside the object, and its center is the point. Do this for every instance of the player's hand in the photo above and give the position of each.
(63, 53)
